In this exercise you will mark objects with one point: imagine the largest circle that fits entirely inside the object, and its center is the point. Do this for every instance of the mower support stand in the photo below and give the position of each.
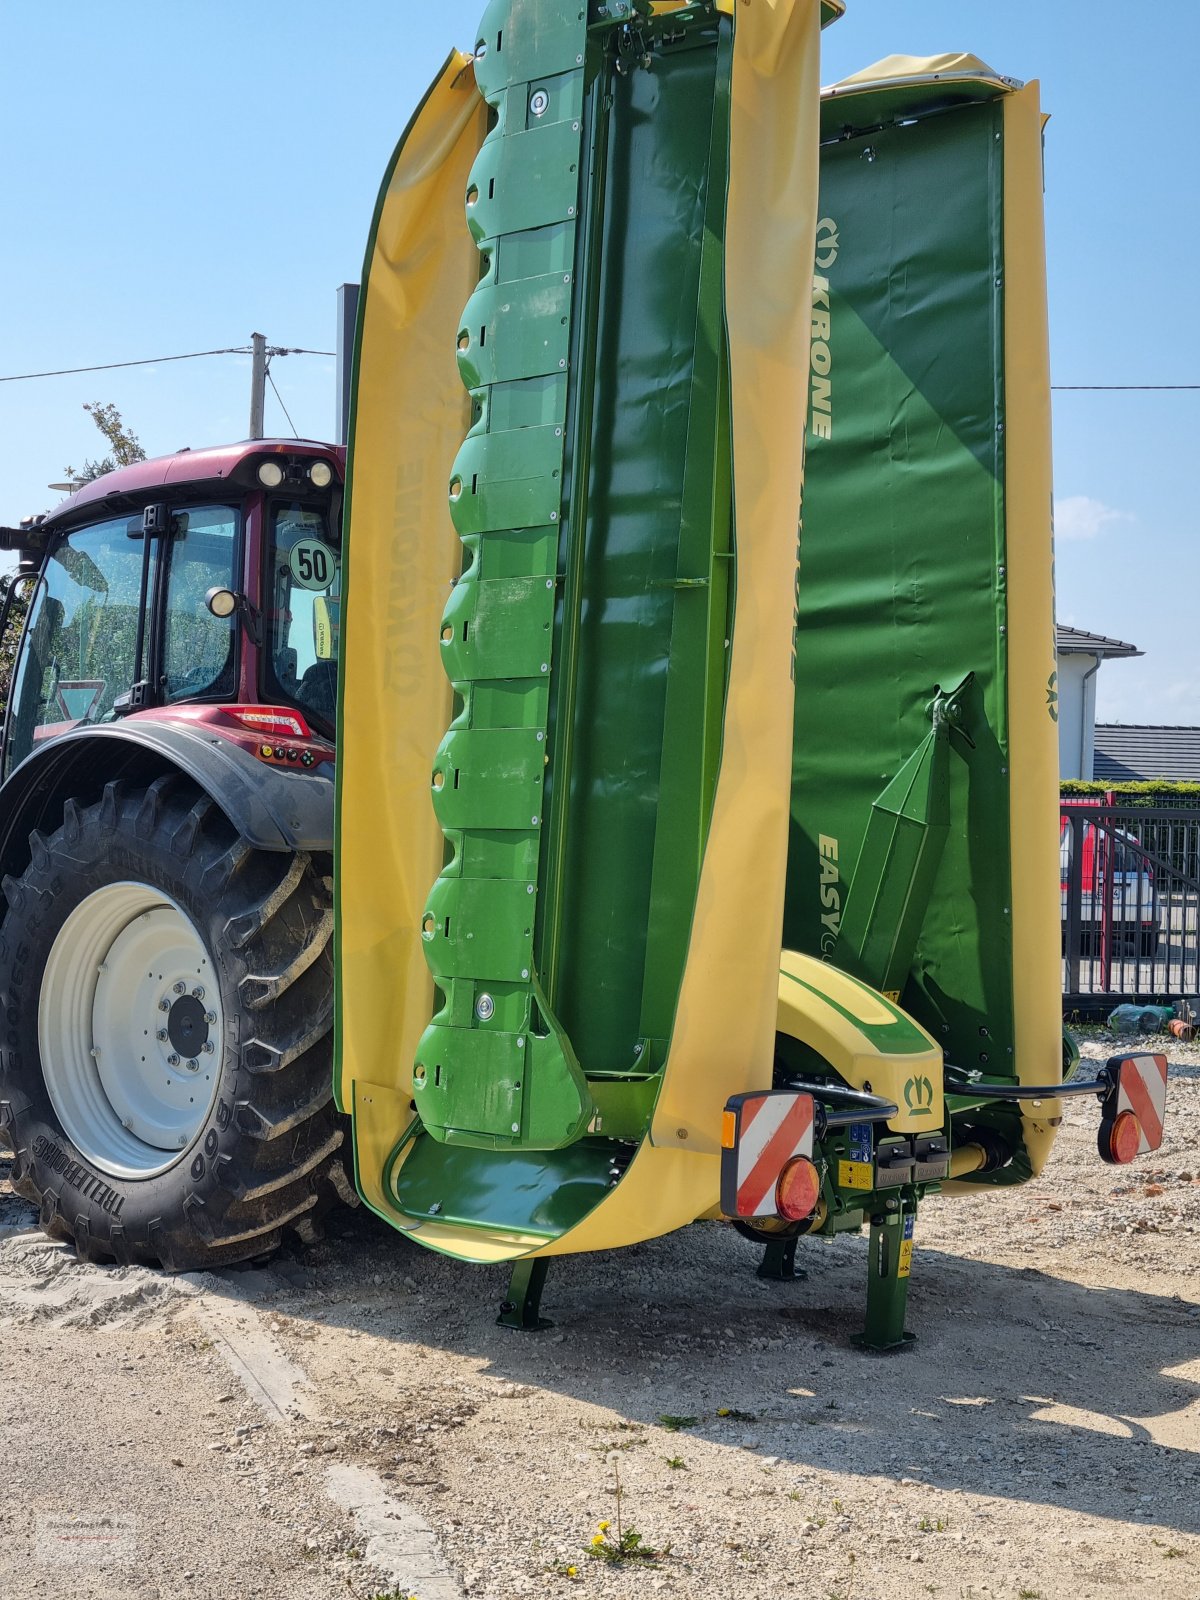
(890, 1257)
(779, 1261)
(521, 1306)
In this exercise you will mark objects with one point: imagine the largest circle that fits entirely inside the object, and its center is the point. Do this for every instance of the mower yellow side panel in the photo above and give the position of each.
(725, 1022)
(866, 1038)
(1033, 747)
(409, 418)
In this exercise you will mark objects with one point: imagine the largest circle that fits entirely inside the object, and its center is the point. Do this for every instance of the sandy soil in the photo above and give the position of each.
(350, 1421)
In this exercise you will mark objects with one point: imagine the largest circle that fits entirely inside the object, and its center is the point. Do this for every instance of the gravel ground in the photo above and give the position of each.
(225, 1435)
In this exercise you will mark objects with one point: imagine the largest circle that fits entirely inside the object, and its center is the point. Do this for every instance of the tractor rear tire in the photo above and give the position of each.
(166, 1007)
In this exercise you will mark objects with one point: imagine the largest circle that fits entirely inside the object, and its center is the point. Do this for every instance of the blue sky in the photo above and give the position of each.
(177, 177)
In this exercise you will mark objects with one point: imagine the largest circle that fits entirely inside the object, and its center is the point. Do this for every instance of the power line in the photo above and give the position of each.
(154, 361)
(297, 350)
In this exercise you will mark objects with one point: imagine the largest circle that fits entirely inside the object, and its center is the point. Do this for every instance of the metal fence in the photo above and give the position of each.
(1130, 903)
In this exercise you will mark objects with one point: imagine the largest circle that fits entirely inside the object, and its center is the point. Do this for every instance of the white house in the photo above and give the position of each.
(1080, 656)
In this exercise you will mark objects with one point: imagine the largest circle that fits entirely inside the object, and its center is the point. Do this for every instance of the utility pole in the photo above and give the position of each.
(347, 313)
(258, 384)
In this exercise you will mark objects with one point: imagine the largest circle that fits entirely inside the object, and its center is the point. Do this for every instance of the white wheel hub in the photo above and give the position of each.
(130, 1027)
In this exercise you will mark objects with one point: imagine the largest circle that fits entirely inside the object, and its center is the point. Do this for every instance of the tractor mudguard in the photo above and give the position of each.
(272, 810)
(563, 787)
(866, 1038)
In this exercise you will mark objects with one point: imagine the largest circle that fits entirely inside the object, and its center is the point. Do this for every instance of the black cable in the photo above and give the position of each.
(279, 397)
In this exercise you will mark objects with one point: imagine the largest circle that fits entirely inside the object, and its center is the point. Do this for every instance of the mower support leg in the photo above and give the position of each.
(890, 1257)
(520, 1308)
(779, 1261)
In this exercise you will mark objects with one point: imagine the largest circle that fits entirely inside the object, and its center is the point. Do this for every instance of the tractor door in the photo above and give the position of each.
(78, 656)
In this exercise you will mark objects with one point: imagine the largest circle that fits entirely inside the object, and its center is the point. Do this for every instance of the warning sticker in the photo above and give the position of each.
(855, 1175)
(904, 1268)
(860, 1141)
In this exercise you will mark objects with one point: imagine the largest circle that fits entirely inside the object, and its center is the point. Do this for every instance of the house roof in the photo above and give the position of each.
(1078, 642)
(1126, 754)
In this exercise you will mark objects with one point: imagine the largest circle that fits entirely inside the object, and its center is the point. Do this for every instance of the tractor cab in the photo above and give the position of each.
(207, 578)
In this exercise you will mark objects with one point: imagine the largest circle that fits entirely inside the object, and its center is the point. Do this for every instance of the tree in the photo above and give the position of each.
(124, 445)
(8, 645)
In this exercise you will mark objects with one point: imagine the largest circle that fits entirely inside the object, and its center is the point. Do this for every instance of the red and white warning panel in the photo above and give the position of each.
(1135, 1110)
(762, 1134)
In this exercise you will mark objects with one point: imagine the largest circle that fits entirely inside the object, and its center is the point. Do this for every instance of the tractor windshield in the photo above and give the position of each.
(78, 650)
(304, 572)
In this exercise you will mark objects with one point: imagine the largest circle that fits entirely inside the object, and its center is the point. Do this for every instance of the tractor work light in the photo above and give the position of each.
(320, 474)
(221, 603)
(270, 474)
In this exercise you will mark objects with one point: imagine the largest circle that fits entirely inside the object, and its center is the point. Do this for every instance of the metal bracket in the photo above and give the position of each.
(890, 1262)
(778, 1264)
(520, 1308)
(846, 1106)
(962, 1084)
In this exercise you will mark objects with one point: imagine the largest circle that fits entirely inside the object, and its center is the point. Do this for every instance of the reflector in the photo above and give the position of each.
(1124, 1138)
(798, 1190)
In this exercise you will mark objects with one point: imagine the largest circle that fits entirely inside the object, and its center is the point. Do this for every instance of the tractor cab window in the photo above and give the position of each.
(199, 649)
(81, 635)
(304, 577)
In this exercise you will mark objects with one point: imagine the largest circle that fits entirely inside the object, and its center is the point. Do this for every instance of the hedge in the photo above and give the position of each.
(1152, 792)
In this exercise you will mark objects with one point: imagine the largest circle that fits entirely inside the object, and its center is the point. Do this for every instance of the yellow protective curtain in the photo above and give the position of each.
(410, 416)
(1032, 663)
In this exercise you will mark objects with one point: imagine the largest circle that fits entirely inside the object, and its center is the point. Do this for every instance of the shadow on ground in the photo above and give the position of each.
(1021, 1385)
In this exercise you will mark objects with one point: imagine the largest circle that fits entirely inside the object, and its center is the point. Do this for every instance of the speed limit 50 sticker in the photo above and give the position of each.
(313, 564)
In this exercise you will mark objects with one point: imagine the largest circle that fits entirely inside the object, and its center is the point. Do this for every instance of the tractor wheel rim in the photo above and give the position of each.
(130, 1025)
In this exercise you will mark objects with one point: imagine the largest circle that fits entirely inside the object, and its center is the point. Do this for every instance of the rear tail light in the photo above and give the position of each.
(270, 722)
(1123, 1138)
(798, 1190)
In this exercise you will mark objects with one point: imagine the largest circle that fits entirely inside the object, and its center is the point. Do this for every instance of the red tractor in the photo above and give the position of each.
(166, 839)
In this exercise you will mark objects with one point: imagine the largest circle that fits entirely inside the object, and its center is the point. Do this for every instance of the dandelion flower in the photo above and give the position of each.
(604, 1526)
(597, 1540)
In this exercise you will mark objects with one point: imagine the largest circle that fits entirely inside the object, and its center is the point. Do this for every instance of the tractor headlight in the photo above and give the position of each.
(270, 474)
(320, 474)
